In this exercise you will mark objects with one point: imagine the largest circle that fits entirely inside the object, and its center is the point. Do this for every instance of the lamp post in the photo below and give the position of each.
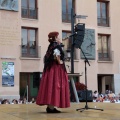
(73, 16)
(72, 39)
(68, 54)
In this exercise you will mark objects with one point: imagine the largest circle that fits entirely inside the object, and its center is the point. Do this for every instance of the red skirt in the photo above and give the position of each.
(54, 87)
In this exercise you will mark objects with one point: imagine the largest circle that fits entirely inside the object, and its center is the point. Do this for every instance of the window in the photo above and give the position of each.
(29, 9)
(66, 10)
(29, 47)
(103, 13)
(66, 41)
(104, 47)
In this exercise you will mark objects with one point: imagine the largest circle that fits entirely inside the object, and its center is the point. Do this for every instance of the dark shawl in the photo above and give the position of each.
(49, 57)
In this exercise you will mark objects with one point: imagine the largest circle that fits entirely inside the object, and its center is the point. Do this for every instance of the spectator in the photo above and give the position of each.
(95, 95)
(111, 94)
(5, 101)
(99, 99)
(24, 101)
(14, 101)
(107, 91)
(33, 100)
(20, 101)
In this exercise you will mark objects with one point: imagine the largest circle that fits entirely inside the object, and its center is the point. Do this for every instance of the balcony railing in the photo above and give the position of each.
(66, 17)
(30, 52)
(29, 13)
(103, 21)
(105, 56)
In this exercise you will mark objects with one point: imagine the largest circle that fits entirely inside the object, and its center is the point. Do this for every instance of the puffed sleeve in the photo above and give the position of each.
(56, 52)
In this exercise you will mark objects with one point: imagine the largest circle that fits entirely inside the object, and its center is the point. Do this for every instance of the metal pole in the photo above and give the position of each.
(72, 54)
(86, 83)
(74, 90)
(72, 38)
(27, 93)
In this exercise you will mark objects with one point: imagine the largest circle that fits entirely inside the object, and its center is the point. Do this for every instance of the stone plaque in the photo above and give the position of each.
(9, 5)
(9, 28)
(88, 45)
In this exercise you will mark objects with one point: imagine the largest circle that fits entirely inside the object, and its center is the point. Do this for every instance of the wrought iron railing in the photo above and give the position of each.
(66, 17)
(105, 56)
(29, 13)
(103, 21)
(30, 52)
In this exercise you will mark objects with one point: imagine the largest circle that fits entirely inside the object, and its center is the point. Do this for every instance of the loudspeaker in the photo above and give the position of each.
(79, 36)
(36, 79)
(82, 95)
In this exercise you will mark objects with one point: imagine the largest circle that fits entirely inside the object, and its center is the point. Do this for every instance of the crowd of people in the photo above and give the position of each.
(15, 101)
(109, 97)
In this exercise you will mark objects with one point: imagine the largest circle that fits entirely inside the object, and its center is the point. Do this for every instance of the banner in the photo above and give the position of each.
(7, 74)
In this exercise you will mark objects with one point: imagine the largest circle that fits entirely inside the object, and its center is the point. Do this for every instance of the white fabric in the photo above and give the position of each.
(56, 52)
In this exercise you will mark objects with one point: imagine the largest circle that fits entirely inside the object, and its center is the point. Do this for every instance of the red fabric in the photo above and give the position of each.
(54, 87)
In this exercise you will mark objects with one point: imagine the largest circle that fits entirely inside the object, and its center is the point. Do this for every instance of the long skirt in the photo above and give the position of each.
(54, 87)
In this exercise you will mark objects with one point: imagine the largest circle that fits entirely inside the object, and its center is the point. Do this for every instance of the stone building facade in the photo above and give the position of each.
(24, 28)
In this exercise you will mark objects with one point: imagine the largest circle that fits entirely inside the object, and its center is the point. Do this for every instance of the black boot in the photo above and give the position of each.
(48, 110)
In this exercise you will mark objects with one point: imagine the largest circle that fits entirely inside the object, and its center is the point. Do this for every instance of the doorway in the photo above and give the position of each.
(105, 82)
(30, 81)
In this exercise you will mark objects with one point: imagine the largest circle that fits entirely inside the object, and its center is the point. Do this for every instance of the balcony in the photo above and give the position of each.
(29, 13)
(30, 52)
(103, 21)
(66, 17)
(108, 57)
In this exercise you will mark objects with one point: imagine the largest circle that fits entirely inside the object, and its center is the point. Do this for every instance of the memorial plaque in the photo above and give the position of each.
(9, 5)
(88, 45)
(9, 28)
